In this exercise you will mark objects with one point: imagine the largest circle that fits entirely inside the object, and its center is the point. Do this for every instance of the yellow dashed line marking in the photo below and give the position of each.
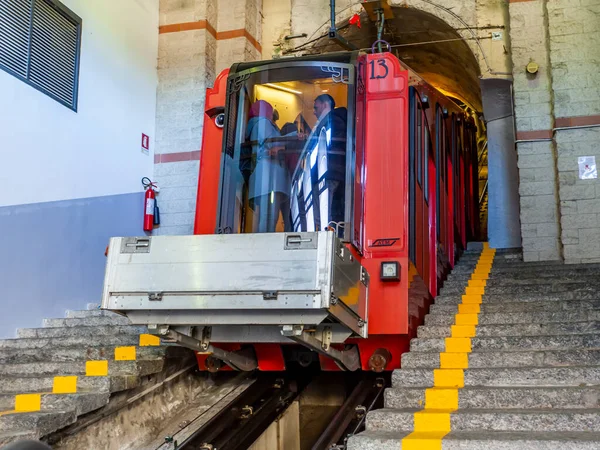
(28, 402)
(65, 385)
(96, 368)
(433, 422)
(125, 353)
(149, 340)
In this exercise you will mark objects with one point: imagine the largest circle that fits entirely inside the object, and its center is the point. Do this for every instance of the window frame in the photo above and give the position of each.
(231, 115)
(69, 15)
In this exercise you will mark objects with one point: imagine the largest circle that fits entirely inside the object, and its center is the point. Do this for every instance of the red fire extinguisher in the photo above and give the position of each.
(151, 211)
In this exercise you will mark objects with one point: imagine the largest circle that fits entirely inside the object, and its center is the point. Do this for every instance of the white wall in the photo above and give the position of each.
(50, 152)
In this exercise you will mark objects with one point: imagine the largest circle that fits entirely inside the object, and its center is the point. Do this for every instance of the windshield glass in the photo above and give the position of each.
(284, 162)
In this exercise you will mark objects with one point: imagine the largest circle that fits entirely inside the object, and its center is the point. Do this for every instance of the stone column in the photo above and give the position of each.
(540, 226)
(197, 39)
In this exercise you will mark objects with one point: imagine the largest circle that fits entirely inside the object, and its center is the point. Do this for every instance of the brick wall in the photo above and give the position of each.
(197, 39)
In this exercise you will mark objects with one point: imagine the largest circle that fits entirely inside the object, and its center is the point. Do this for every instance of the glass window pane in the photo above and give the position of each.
(285, 156)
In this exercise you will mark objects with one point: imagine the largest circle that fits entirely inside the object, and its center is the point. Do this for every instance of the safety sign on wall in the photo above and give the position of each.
(145, 144)
(587, 167)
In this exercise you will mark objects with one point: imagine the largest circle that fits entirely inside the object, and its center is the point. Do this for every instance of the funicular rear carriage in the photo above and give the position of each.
(335, 192)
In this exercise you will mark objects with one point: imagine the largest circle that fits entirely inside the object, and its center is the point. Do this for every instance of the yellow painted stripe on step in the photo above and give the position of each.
(478, 290)
(480, 276)
(458, 345)
(452, 378)
(432, 420)
(96, 368)
(466, 319)
(476, 299)
(469, 308)
(441, 398)
(433, 423)
(64, 385)
(28, 402)
(125, 353)
(149, 340)
(423, 441)
(454, 360)
(462, 331)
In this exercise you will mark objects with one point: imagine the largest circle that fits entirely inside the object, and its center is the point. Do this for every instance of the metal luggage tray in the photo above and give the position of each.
(237, 279)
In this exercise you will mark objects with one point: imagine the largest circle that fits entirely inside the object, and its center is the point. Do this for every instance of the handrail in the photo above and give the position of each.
(483, 192)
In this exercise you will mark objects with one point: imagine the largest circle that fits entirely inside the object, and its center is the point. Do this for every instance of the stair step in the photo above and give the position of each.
(514, 376)
(141, 368)
(72, 354)
(494, 420)
(514, 280)
(560, 307)
(34, 384)
(488, 359)
(92, 321)
(504, 397)
(522, 329)
(528, 297)
(83, 313)
(91, 331)
(13, 436)
(553, 342)
(81, 403)
(71, 341)
(42, 422)
(540, 317)
(545, 288)
(483, 440)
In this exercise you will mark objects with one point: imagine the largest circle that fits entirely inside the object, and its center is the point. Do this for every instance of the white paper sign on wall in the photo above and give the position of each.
(587, 167)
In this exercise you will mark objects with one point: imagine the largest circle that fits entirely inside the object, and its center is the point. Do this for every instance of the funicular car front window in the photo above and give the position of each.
(284, 162)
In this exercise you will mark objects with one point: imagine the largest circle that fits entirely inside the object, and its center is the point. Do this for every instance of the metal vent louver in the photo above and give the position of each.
(39, 42)
(15, 20)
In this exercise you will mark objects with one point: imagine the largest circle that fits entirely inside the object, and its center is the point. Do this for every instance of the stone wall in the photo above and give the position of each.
(559, 212)
(197, 39)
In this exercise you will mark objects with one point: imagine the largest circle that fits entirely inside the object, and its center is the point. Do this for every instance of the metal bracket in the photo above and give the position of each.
(135, 245)
(295, 241)
(346, 359)
(270, 295)
(244, 359)
(364, 276)
(326, 338)
(155, 296)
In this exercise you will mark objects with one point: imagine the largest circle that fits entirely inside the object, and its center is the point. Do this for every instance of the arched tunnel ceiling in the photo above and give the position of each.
(449, 66)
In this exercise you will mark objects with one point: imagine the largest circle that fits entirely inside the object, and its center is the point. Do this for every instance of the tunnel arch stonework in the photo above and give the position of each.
(555, 111)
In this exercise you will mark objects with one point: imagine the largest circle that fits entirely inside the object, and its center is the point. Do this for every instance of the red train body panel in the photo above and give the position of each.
(413, 196)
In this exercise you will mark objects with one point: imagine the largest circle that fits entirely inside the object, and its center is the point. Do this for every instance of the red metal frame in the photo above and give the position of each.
(381, 209)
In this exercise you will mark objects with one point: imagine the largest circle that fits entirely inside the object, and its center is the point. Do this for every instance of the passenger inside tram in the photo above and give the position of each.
(289, 155)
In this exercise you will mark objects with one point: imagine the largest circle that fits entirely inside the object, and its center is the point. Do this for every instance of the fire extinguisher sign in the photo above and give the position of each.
(145, 144)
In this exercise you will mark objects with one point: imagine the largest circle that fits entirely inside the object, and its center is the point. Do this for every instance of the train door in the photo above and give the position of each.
(418, 217)
(440, 188)
(430, 204)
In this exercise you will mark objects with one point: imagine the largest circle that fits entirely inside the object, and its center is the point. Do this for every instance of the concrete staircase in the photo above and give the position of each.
(49, 376)
(531, 376)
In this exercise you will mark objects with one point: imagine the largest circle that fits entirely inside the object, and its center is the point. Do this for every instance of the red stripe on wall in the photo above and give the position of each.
(205, 25)
(177, 157)
(532, 135)
(577, 121)
(187, 26)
